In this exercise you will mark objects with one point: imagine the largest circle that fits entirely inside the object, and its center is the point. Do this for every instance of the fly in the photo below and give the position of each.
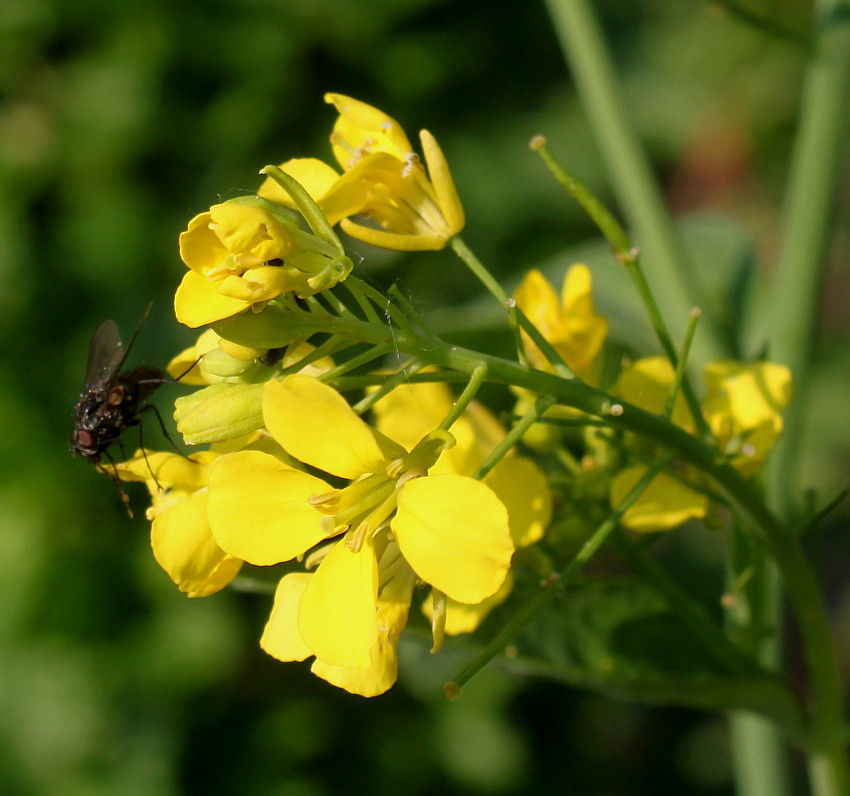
(111, 401)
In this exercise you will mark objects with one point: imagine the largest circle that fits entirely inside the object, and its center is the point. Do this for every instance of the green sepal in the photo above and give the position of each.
(274, 327)
(281, 212)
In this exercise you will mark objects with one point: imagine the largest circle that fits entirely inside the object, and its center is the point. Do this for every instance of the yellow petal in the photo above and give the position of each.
(411, 411)
(523, 489)
(394, 241)
(169, 469)
(262, 283)
(538, 300)
(363, 126)
(664, 504)
(646, 383)
(248, 230)
(576, 289)
(185, 548)
(751, 394)
(258, 508)
(454, 532)
(444, 186)
(337, 614)
(315, 176)
(197, 302)
(313, 423)
(392, 609)
(461, 618)
(200, 249)
(281, 638)
(582, 332)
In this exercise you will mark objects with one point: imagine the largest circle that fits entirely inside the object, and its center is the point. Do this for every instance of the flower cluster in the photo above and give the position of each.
(433, 497)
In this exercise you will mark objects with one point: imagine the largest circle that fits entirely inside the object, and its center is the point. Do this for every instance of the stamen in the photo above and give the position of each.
(439, 603)
(411, 161)
(413, 472)
(354, 541)
(327, 502)
(317, 556)
(395, 467)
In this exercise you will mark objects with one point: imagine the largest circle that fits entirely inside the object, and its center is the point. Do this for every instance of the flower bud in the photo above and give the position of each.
(245, 252)
(219, 412)
(218, 365)
(274, 327)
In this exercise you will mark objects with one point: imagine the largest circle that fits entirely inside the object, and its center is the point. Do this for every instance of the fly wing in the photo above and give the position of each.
(106, 353)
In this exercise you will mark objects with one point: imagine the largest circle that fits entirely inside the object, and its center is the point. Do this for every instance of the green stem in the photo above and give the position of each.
(630, 259)
(815, 168)
(808, 214)
(477, 378)
(607, 224)
(403, 376)
(355, 362)
(636, 272)
(664, 257)
(758, 749)
(516, 433)
(679, 375)
(489, 281)
(547, 349)
(307, 205)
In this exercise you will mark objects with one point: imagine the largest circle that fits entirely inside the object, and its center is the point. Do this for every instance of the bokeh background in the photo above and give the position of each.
(119, 122)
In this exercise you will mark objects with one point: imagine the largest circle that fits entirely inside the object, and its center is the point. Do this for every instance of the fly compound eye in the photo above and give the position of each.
(83, 440)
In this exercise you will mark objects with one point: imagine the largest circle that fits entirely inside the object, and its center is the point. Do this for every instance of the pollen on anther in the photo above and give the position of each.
(411, 160)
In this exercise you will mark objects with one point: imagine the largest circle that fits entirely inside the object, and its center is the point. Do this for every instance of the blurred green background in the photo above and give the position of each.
(119, 122)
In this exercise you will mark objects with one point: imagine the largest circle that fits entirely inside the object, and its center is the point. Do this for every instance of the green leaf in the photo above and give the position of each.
(619, 637)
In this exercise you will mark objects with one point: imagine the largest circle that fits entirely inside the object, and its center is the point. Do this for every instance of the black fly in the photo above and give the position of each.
(111, 401)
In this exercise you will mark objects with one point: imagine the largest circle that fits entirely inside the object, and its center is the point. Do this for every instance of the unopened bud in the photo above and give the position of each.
(219, 412)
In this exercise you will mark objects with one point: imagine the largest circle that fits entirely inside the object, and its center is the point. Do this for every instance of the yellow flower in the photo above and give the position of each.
(450, 531)
(406, 414)
(742, 406)
(409, 411)
(282, 637)
(666, 503)
(569, 323)
(180, 534)
(646, 383)
(383, 180)
(245, 252)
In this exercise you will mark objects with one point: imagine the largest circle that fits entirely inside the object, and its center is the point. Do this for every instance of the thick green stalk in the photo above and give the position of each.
(815, 167)
(664, 258)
